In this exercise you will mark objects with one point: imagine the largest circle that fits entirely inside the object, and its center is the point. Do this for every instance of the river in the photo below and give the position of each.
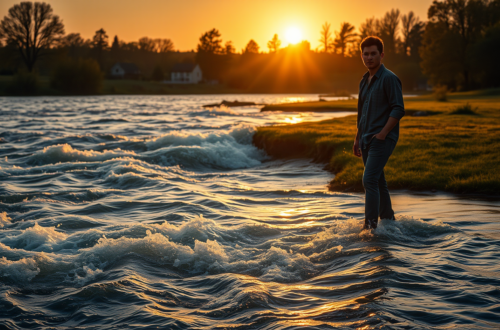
(146, 212)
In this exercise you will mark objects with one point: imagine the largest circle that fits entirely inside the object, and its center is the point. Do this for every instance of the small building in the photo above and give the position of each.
(186, 73)
(125, 71)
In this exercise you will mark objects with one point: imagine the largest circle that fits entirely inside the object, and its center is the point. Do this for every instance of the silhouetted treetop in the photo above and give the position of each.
(100, 40)
(32, 28)
(274, 44)
(229, 48)
(345, 37)
(251, 47)
(326, 38)
(210, 42)
(388, 28)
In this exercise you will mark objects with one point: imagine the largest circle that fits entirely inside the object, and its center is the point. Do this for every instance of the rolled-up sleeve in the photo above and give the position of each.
(394, 92)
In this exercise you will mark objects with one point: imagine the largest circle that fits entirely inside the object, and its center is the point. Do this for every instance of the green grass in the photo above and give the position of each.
(449, 152)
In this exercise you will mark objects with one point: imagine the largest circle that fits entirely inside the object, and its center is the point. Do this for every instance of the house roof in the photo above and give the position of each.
(129, 68)
(183, 67)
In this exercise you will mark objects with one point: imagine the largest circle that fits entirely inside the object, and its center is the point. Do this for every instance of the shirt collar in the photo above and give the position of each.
(379, 72)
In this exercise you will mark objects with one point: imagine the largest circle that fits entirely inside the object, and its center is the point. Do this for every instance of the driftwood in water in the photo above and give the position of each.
(231, 104)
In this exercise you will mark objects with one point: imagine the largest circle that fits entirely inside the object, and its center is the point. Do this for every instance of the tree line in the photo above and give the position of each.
(454, 47)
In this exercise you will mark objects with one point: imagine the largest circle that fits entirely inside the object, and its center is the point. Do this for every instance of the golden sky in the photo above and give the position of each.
(183, 21)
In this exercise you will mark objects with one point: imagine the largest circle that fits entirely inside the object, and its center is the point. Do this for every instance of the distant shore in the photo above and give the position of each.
(146, 87)
(453, 147)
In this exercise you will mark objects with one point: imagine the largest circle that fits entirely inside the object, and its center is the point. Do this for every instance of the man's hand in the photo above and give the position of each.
(355, 148)
(380, 136)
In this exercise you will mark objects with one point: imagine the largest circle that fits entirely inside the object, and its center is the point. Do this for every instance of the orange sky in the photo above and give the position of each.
(184, 21)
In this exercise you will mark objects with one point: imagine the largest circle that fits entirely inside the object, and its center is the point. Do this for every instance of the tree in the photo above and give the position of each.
(388, 30)
(326, 38)
(115, 46)
(129, 46)
(369, 28)
(146, 44)
(100, 43)
(484, 55)
(77, 76)
(274, 44)
(229, 48)
(345, 37)
(164, 45)
(32, 28)
(72, 42)
(210, 42)
(412, 28)
(251, 47)
(457, 25)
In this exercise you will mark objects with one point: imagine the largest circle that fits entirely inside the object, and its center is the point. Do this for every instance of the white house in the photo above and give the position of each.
(186, 73)
(125, 70)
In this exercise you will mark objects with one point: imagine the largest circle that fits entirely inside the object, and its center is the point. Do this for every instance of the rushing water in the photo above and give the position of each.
(121, 212)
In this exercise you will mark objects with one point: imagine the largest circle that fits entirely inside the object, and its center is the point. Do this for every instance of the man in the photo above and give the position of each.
(380, 107)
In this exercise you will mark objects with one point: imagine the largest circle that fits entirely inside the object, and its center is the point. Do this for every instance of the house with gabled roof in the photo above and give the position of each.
(186, 73)
(125, 71)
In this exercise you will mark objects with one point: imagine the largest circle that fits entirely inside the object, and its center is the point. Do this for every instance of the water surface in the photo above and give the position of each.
(123, 212)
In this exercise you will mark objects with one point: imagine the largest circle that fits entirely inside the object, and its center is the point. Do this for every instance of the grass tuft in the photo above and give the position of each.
(465, 109)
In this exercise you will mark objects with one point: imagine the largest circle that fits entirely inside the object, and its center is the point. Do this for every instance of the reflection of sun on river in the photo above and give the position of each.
(292, 120)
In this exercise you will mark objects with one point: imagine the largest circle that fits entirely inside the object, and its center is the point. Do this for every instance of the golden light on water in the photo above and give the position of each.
(293, 35)
(293, 120)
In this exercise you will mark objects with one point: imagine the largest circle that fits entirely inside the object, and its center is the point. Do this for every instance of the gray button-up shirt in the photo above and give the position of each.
(381, 99)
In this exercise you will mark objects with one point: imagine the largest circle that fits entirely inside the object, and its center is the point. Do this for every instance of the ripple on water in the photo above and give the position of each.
(156, 212)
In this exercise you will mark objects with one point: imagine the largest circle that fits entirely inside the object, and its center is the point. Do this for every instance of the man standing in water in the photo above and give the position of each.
(380, 107)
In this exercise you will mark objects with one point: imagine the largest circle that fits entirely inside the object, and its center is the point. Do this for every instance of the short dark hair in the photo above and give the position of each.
(372, 41)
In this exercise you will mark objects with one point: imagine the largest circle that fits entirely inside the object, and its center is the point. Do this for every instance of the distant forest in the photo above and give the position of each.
(455, 47)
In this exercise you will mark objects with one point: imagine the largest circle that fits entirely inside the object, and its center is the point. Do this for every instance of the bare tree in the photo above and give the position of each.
(251, 47)
(274, 44)
(345, 37)
(388, 30)
(326, 38)
(164, 45)
(229, 48)
(33, 28)
(210, 42)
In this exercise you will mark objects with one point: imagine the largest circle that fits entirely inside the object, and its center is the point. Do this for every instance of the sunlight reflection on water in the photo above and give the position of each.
(154, 211)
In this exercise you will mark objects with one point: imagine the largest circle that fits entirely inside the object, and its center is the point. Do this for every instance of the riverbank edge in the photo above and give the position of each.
(463, 162)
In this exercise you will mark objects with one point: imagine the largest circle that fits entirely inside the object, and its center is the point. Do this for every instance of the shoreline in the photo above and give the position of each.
(444, 150)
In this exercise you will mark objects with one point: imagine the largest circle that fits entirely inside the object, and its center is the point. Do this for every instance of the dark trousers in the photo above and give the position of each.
(378, 201)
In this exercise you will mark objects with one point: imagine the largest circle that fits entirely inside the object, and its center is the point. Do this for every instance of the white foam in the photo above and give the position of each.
(230, 149)
(408, 228)
(36, 238)
(241, 133)
(66, 153)
(89, 273)
(4, 219)
(24, 269)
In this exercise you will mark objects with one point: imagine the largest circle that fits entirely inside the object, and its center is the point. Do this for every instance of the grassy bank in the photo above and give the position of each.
(447, 151)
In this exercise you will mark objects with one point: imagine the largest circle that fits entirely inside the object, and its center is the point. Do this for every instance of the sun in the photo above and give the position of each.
(293, 35)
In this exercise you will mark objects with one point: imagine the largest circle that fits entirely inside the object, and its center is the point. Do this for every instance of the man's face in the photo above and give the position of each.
(371, 57)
